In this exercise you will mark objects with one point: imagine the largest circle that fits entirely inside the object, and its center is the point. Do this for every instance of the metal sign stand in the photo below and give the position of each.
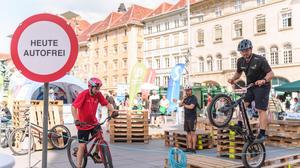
(45, 125)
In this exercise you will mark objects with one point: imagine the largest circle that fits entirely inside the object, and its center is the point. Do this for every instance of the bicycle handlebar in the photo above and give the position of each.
(243, 89)
(107, 119)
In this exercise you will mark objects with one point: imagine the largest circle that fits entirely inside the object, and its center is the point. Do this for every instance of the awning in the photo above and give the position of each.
(289, 87)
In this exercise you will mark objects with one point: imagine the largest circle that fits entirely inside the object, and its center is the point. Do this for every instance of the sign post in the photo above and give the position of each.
(44, 48)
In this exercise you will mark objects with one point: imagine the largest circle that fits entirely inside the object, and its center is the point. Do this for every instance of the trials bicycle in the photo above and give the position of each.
(220, 113)
(96, 139)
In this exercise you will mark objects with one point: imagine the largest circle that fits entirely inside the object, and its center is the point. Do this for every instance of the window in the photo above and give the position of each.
(115, 49)
(200, 19)
(124, 47)
(149, 30)
(105, 82)
(184, 21)
(157, 43)
(209, 63)
(139, 47)
(260, 24)
(218, 33)
(274, 56)
(219, 62)
(218, 11)
(238, 29)
(176, 39)
(157, 61)
(166, 80)
(176, 60)
(106, 51)
(158, 28)
(115, 64)
(286, 19)
(157, 81)
(167, 62)
(261, 51)
(201, 64)
(260, 2)
(105, 66)
(105, 36)
(233, 60)
(125, 32)
(167, 26)
(124, 63)
(287, 54)
(176, 22)
(185, 37)
(149, 44)
(200, 35)
(149, 63)
(97, 52)
(115, 81)
(237, 5)
(166, 41)
(96, 66)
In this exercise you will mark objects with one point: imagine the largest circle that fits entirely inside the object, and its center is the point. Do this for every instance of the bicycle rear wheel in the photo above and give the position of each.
(253, 155)
(72, 149)
(220, 111)
(106, 156)
(18, 141)
(59, 136)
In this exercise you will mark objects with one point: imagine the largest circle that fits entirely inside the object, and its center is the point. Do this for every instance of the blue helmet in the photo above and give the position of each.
(244, 44)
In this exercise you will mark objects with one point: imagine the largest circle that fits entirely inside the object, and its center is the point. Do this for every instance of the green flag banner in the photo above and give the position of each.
(137, 76)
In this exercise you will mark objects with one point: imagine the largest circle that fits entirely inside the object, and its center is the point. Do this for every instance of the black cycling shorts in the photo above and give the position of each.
(260, 95)
(190, 125)
(83, 135)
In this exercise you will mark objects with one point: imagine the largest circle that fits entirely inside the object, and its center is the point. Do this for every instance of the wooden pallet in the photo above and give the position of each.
(55, 117)
(204, 124)
(204, 140)
(129, 127)
(200, 161)
(283, 161)
(169, 138)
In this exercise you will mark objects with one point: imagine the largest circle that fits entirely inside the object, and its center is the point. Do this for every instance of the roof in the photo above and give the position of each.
(134, 15)
(69, 15)
(162, 8)
(107, 22)
(85, 35)
(78, 25)
(181, 4)
(4, 56)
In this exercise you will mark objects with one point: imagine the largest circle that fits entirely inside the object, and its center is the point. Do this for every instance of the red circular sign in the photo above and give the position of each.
(31, 40)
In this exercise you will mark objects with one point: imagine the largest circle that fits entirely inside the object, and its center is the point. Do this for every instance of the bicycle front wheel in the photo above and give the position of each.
(106, 156)
(72, 150)
(18, 141)
(253, 155)
(59, 136)
(220, 111)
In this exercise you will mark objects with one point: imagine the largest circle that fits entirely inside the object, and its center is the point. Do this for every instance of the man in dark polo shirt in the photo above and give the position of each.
(259, 72)
(190, 103)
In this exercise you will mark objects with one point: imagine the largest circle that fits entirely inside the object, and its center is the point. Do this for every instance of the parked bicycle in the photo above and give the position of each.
(96, 139)
(220, 113)
(5, 131)
(19, 139)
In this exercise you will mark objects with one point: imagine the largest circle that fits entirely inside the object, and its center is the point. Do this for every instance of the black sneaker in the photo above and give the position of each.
(260, 138)
(187, 150)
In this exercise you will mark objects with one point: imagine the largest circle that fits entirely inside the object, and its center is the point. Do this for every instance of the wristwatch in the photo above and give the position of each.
(265, 80)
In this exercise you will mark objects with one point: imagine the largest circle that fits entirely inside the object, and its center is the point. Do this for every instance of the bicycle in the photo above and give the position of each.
(98, 140)
(19, 139)
(220, 112)
(5, 131)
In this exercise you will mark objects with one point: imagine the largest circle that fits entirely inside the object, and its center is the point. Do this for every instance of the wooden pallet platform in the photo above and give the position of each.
(200, 161)
(283, 161)
(130, 126)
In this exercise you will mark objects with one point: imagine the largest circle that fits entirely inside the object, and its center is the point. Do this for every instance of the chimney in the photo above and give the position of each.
(122, 8)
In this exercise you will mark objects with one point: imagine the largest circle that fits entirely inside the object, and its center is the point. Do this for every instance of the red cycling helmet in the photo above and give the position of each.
(94, 82)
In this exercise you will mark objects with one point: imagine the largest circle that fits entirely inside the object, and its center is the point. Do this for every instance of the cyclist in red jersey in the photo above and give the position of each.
(84, 109)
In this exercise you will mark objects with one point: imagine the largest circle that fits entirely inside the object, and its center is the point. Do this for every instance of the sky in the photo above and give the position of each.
(13, 12)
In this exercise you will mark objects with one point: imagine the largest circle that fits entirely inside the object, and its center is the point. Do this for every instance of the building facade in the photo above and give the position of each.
(110, 48)
(166, 39)
(218, 27)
